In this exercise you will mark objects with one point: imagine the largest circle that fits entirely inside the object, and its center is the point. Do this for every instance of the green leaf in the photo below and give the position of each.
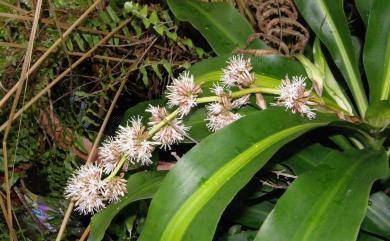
(367, 237)
(221, 24)
(377, 219)
(153, 18)
(112, 14)
(327, 19)
(196, 120)
(269, 70)
(79, 41)
(330, 84)
(364, 8)
(377, 51)
(307, 158)
(140, 186)
(69, 44)
(378, 114)
(329, 202)
(192, 198)
(254, 215)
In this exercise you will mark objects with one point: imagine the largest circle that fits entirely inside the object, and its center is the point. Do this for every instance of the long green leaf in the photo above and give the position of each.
(221, 24)
(368, 237)
(326, 18)
(140, 186)
(196, 191)
(307, 158)
(364, 8)
(269, 70)
(329, 202)
(377, 51)
(377, 219)
(254, 215)
(331, 86)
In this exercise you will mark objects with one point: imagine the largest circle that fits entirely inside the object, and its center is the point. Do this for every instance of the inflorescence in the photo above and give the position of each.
(134, 143)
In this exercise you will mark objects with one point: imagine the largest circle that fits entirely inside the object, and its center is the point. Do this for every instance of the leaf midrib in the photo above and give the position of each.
(386, 75)
(184, 215)
(325, 200)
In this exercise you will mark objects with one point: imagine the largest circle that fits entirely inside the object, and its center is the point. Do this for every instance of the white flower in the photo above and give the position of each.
(133, 142)
(171, 133)
(109, 155)
(85, 188)
(219, 115)
(238, 103)
(115, 188)
(293, 96)
(183, 93)
(218, 90)
(238, 72)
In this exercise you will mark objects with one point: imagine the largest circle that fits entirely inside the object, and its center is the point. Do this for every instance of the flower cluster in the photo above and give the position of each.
(89, 192)
(170, 134)
(293, 96)
(219, 113)
(238, 73)
(135, 142)
(183, 93)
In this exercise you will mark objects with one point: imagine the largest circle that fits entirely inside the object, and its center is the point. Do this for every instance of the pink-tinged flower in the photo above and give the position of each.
(134, 144)
(109, 155)
(171, 133)
(238, 72)
(238, 103)
(219, 115)
(183, 93)
(115, 189)
(218, 90)
(85, 188)
(293, 96)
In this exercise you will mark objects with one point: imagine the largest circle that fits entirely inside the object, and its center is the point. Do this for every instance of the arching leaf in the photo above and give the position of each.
(192, 198)
(329, 202)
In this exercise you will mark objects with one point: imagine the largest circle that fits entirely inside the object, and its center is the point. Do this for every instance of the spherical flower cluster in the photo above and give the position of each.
(238, 73)
(134, 144)
(183, 93)
(87, 189)
(219, 114)
(293, 96)
(171, 133)
(109, 155)
(115, 188)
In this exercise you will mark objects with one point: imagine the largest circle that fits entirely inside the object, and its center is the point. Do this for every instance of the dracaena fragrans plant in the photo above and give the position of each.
(326, 123)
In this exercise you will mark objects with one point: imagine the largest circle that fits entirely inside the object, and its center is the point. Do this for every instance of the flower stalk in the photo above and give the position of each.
(135, 143)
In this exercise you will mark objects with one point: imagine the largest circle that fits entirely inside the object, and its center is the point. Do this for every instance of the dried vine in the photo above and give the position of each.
(278, 26)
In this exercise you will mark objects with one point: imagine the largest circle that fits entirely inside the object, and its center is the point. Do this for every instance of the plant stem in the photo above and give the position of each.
(65, 220)
(166, 120)
(239, 93)
(64, 73)
(41, 59)
(117, 168)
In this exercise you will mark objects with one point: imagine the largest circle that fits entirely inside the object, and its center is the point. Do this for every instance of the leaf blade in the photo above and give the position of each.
(140, 186)
(329, 202)
(377, 50)
(327, 19)
(210, 19)
(217, 181)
